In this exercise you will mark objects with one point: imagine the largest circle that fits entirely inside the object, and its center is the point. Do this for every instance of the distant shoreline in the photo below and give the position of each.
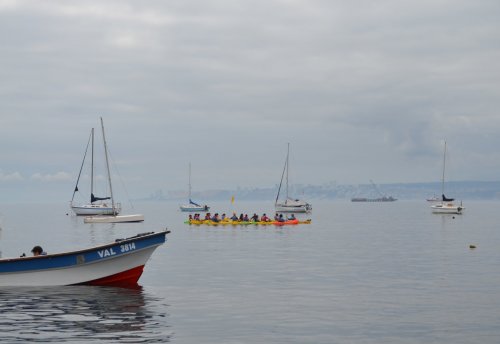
(470, 190)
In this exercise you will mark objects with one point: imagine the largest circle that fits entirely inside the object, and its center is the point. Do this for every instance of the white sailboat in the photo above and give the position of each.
(114, 217)
(192, 206)
(290, 205)
(97, 205)
(446, 206)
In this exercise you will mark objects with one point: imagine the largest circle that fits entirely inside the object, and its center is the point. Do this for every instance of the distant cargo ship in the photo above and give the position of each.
(381, 199)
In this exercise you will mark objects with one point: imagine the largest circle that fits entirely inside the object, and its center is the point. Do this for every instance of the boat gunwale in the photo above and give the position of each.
(103, 246)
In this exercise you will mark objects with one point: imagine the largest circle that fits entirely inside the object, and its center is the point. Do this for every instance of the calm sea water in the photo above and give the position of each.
(360, 273)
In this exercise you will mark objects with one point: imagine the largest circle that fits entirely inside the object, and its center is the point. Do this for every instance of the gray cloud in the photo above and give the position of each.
(363, 90)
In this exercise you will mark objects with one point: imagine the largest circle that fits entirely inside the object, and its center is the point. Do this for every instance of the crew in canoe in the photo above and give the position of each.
(215, 218)
(279, 219)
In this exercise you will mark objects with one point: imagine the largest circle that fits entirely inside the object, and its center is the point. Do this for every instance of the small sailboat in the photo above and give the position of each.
(113, 217)
(96, 206)
(446, 206)
(433, 199)
(290, 205)
(192, 206)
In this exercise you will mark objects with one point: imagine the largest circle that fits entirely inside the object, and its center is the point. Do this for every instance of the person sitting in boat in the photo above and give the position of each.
(197, 216)
(276, 217)
(245, 218)
(38, 251)
(292, 217)
(255, 217)
(207, 216)
(190, 217)
(234, 217)
(264, 218)
(241, 217)
(281, 218)
(223, 217)
(215, 218)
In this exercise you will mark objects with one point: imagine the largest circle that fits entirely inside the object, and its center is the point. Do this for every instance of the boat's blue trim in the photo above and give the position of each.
(69, 259)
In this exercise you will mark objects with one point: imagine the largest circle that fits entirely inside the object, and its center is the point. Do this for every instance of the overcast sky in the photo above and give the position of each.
(361, 89)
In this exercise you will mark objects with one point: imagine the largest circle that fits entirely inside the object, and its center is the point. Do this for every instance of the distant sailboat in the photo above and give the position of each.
(290, 205)
(446, 206)
(114, 217)
(96, 206)
(192, 206)
(434, 199)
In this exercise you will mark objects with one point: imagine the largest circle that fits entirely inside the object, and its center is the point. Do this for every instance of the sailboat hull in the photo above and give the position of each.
(94, 209)
(293, 207)
(285, 209)
(192, 207)
(447, 208)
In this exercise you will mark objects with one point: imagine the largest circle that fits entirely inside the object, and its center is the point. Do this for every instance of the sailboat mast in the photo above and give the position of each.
(287, 168)
(189, 184)
(444, 167)
(107, 167)
(92, 168)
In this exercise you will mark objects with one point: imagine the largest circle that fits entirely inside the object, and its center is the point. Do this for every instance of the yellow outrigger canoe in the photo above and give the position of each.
(229, 222)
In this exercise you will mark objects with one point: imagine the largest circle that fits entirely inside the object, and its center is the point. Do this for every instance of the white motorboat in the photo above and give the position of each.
(113, 218)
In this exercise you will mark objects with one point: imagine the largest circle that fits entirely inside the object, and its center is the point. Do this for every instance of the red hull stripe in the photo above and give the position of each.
(125, 279)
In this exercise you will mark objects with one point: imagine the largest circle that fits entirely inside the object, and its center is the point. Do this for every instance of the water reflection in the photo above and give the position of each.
(80, 313)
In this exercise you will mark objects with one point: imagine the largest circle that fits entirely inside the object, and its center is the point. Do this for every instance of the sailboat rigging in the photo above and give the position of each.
(289, 205)
(192, 206)
(94, 207)
(446, 206)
